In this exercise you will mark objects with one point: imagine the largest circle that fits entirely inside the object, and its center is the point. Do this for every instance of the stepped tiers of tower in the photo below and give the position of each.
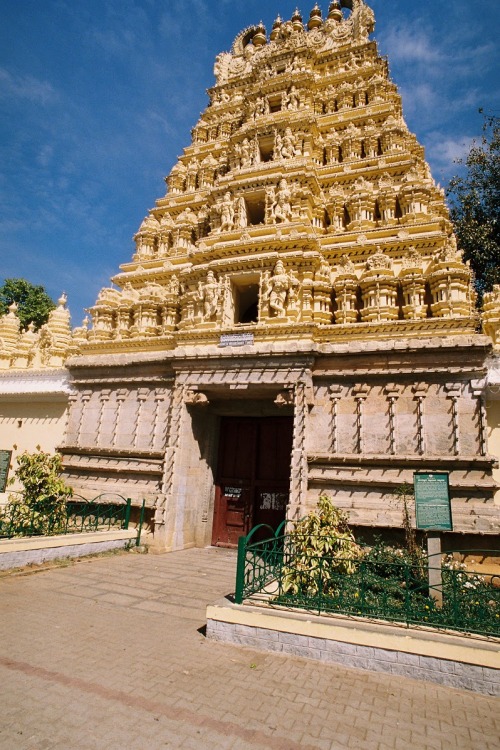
(303, 202)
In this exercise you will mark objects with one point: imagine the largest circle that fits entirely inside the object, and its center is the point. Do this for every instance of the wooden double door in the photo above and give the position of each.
(253, 476)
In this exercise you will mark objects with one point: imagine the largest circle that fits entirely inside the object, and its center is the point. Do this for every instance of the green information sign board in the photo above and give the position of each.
(432, 501)
(5, 457)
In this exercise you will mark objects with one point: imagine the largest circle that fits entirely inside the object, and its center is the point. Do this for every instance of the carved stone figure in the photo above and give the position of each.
(245, 153)
(378, 261)
(291, 100)
(261, 107)
(281, 209)
(226, 209)
(173, 286)
(241, 216)
(287, 147)
(208, 294)
(277, 288)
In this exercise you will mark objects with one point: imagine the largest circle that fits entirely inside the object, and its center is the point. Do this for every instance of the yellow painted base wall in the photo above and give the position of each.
(26, 424)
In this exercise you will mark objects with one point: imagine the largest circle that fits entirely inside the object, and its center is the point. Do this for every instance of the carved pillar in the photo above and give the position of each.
(103, 398)
(142, 396)
(121, 396)
(298, 485)
(420, 391)
(174, 422)
(454, 391)
(336, 391)
(477, 387)
(392, 392)
(360, 393)
(85, 398)
(160, 397)
(74, 421)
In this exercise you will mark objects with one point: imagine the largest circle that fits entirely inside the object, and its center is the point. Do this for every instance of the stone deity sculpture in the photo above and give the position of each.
(241, 216)
(286, 147)
(277, 288)
(208, 294)
(281, 209)
(226, 210)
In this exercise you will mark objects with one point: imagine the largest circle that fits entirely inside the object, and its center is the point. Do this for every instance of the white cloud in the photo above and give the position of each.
(26, 87)
(448, 151)
(406, 45)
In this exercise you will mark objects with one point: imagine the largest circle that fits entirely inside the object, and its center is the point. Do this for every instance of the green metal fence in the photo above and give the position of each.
(377, 586)
(103, 513)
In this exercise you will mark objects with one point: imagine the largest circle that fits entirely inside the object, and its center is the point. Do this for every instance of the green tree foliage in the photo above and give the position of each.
(34, 304)
(475, 207)
(41, 509)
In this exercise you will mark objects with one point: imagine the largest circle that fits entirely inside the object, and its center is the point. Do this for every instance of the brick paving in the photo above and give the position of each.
(107, 653)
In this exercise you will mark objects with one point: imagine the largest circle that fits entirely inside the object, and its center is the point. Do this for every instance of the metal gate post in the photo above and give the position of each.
(240, 570)
(127, 513)
(141, 521)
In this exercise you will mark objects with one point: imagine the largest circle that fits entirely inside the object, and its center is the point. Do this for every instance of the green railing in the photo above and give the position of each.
(375, 587)
(103, 513)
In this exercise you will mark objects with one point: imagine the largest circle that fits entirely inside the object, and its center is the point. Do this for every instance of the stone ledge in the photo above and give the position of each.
(471, 663)
(15, 553)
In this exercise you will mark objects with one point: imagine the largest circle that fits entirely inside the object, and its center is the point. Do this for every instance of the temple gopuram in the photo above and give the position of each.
(296, 318)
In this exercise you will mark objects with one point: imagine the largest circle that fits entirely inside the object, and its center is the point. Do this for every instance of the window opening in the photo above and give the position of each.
(256, 210)
(246, 303)
(266, 146)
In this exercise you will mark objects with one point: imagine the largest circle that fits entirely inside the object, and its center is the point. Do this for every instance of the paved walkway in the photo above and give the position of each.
(107, 654)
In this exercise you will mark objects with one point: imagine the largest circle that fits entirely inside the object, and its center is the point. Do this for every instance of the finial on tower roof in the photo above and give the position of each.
(297, 20)
(335, 10)
(276, 28)
(259, 38)
(315, 18)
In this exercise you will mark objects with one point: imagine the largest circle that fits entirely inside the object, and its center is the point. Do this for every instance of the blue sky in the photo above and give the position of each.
(98, 97)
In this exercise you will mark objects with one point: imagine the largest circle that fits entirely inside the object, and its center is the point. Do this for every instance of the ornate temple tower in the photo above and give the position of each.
(296, 317)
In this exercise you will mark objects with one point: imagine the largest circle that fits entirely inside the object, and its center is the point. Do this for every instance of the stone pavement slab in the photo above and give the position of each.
(107, 653)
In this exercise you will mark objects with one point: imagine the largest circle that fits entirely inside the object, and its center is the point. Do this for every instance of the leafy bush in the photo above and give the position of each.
(41, 507)
(321, 546)
(324, 569)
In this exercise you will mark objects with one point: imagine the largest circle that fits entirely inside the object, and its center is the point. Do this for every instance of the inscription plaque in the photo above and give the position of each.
(432, 501)
(236, 339)
(5, 457)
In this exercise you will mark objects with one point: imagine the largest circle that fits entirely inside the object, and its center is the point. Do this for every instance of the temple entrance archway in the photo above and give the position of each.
(253, 475)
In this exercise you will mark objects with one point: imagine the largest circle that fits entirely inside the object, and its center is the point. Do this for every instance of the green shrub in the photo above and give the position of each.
(321, 546)
(40, 508)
